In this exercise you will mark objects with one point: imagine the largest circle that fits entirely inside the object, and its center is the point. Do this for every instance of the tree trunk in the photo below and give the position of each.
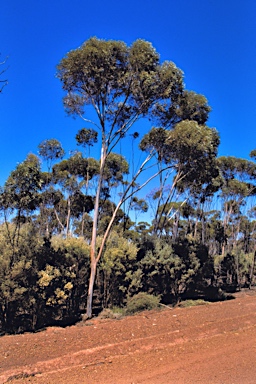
(176, 226)
(203, 229)
(68, 218)
(94, 259)
(195, 229)
(252, 270)
(90, 288)
(82, 227)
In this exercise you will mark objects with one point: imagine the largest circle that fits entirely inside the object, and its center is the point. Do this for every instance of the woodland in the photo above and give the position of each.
(129, 211)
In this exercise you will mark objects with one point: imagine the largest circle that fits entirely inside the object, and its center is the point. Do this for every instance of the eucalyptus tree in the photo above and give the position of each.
(188, 151)
(238, 186)
(20, 196)
(138, 206)
(50, 151)
(123, 84)
(173, 217)
(87, 137)
(247, 233)
(236, 189)
(69, 175)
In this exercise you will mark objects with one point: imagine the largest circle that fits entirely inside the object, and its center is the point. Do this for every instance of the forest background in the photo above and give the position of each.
(174, 238)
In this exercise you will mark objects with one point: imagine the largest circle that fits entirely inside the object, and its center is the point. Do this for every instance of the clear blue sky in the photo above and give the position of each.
(212, 41)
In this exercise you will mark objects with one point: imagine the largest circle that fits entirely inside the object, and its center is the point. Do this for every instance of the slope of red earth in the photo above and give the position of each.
(211, 344)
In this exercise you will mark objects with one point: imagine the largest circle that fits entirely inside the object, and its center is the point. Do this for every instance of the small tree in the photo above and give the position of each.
(20, 195)
(51, 150)
(238, 176)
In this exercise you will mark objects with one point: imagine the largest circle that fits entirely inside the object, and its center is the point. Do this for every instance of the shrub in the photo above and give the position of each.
(113, 313)
(192, 303)
(141, 302)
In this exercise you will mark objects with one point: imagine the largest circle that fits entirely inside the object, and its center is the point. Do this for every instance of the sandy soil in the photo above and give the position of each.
(211, 344)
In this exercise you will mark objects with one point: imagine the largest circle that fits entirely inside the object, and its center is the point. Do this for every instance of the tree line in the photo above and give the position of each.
(71, 238)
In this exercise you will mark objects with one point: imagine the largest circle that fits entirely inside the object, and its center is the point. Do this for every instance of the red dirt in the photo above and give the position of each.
(214, 343)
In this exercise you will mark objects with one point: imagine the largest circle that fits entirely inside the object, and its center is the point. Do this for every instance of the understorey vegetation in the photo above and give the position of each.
(142, 212)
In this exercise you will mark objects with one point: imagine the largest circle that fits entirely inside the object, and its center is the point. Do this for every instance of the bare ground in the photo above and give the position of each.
(209, 344)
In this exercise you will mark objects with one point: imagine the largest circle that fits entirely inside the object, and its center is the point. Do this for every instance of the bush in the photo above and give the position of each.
(192, 303)
(114, 313)
(141, 302)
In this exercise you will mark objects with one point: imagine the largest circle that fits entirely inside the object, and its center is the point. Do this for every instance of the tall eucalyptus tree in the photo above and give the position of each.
(122, 85)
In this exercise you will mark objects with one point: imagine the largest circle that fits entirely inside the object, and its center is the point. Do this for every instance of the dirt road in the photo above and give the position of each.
(210, 344)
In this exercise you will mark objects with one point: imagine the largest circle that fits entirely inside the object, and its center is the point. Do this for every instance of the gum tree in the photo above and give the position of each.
(189, 152)
(238, 186)
(122, 84)
(20, 196)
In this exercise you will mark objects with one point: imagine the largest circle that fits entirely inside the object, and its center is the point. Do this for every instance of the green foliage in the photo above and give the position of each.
(194, 147)
(114, 313)
(18, 273)
(141, 302)
(168, 270)
(121, 82)
(115, 168)
(77, 256)
(68, 173)
(50, 278)
(117, 251)
(156, 140)
(193, 107)
(253, 154)
(40, 283)
(51, 150)
(21, 190)
(234, 269)
(233, 167)
(115, 267)
(63, 268)
(87, 137)
(192, 303)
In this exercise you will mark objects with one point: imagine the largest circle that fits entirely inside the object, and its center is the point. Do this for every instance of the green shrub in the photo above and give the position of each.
(112, 313)
(192, 303)
(141, 302)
